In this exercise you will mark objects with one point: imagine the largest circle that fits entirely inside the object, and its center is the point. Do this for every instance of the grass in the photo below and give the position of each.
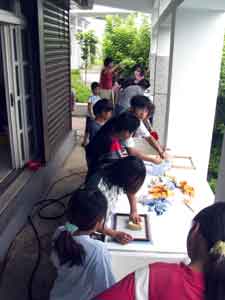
(82, 91)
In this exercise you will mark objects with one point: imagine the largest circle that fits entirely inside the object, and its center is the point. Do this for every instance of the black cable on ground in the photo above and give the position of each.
(37, 263)
(40, 206)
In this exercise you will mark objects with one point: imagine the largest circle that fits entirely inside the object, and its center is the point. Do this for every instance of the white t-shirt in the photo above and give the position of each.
(92, 100)
(88, 280)
(142, 131)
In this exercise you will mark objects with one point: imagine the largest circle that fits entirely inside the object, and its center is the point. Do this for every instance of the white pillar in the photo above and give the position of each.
(160, 62)
(195, 70)
(220, 189)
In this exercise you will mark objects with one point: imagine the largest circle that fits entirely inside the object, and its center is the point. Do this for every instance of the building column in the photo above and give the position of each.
(193, 87)
(160, 62)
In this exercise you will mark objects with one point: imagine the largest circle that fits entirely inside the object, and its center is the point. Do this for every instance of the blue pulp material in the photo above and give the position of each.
(159, 206)
(170, 185)
(159, 170)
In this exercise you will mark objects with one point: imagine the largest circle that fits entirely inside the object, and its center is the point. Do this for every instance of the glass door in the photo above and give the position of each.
(17, 92)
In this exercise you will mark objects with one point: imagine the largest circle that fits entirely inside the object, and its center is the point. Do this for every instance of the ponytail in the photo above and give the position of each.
(212, 228)
(215, 274)
(85, 209)
(68, 250)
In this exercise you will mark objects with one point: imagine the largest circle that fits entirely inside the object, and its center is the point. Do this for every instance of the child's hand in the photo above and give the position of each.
(122, 237)
(135, 218)
(157, 160)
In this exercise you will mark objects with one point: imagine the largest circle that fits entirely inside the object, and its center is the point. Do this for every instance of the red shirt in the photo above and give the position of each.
(106, 80)
(167, 282)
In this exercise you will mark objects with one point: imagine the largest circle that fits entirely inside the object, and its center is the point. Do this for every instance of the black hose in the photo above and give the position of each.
(37, 263)
(40, 205)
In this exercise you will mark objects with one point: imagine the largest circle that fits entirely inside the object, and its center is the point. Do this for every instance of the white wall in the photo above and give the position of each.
(205, 4)
(195, 74)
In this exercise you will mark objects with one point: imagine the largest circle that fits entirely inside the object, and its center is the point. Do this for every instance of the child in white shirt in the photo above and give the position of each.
(93, 99)
(83, 264)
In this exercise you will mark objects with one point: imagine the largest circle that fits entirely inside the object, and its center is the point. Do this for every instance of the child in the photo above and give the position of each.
(202, 279)
(106, 78)
(140, 109)
(103, 112)
(83, 264)
(124, 176)
(106, 145)
(139, 74)
(91, 102)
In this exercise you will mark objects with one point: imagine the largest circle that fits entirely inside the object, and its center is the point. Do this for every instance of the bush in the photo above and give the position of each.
(219, 129)
(82, 91)
(127, 42)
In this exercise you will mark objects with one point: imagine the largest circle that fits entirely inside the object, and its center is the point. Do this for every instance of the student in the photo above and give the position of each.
(106, 145)
(130, 90)
(83, 264)
(202, 279)
(103, 112)
(139, 74)
(106, 78)
(93, 99)
(123, 176)
(143, 108)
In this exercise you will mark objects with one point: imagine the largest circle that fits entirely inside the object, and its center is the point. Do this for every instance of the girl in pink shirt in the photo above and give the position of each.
(203, 279)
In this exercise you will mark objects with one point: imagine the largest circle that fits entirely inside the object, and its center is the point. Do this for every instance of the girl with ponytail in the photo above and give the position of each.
(202, 279)
(83, 264)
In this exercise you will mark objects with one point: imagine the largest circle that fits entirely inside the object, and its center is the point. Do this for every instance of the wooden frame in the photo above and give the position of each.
(147, 227)
(192, 166)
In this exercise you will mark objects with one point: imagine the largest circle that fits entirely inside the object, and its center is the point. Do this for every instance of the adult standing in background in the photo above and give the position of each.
(106, 79)
(139, 74)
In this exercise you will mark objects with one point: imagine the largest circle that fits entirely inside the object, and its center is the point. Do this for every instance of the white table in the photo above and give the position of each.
(169, 231)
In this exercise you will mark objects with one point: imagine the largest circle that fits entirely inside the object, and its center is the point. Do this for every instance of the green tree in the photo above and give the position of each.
(219, 129)
(127, 41)
(88, 42)
(222, 74)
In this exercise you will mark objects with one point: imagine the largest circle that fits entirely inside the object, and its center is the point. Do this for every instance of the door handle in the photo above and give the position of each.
(11, 99)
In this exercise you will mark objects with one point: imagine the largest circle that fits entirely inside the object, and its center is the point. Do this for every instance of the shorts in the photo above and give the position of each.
(106, 94)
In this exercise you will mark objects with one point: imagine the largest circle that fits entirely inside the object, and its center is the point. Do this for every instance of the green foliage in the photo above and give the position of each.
(88, 42)
(126, 41)
(219, 129)
(222, 74)
(82, 91)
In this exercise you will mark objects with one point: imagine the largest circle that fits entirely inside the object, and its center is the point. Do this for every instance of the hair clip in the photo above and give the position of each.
(218, 248)
(70, 227)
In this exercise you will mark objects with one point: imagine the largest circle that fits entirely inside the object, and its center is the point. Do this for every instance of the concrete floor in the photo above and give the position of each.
(24, 251)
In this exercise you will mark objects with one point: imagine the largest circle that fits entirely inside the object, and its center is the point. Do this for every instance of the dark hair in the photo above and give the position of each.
(126, 173)
(121, 81)
(108, 61)
(125, 121)
(139, 101)
(103, 105)
(101, 142)
(212, 228)
(86, 207)
(94, 85)
(128, 82)
(137, 66)
(151, 108)
(144, 83)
